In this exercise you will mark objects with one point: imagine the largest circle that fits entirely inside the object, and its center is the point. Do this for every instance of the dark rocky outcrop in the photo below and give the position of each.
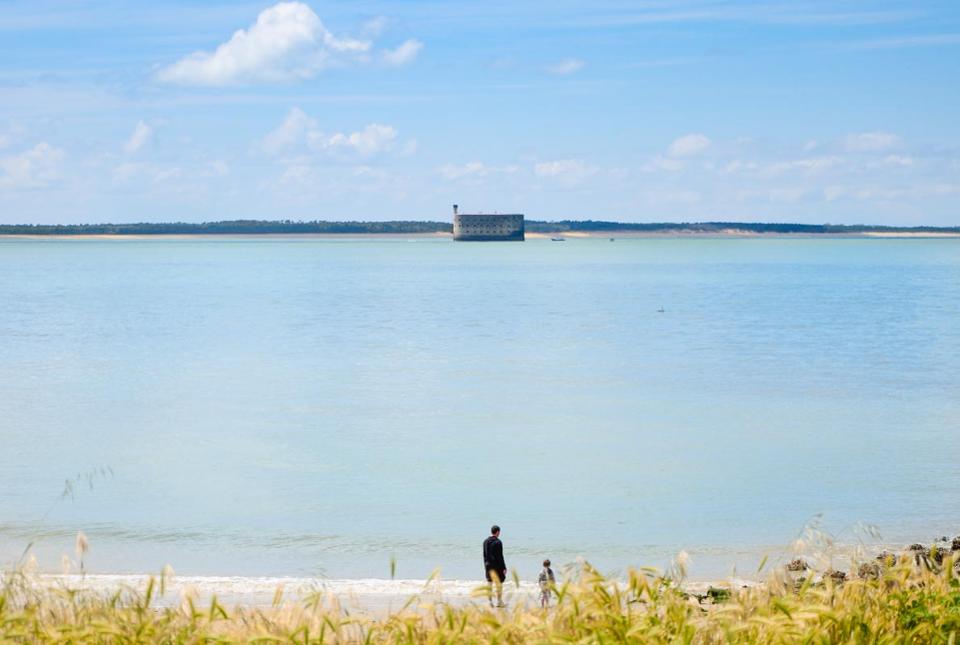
(933, 557)
(887, 559)
(838, 577)
(797, 565)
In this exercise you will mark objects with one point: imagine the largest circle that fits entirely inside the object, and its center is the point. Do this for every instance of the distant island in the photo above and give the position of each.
(401, 227)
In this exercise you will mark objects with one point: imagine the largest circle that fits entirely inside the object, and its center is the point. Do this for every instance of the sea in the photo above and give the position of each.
(365, 409)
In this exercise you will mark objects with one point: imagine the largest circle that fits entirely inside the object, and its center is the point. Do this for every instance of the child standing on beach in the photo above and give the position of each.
(546, 580)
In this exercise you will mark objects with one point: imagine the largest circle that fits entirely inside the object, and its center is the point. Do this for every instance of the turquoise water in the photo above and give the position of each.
(317, 407)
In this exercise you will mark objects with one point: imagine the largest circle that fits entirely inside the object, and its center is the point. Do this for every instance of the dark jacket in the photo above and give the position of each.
(493, 555)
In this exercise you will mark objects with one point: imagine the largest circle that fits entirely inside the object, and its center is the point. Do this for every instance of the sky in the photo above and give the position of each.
(687, 110)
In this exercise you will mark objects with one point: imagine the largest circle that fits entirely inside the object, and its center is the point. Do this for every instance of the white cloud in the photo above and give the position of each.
(886, 193)
(554, 168)
(33, 168)
(375, 26)
(126, 170)
(810, 166)
(567, 170)
(143, 173)
(737, 166)
(567, 66)
(129, 171)
(287, 42)
(166, 174)
(369, 171)
(297, 174)
(372, 139)
(294, 131)
(14, 133)
(898, 160)
(404, 54)
(301, 132)
(473, 169)
(469, 169)
(870, 141)
(663, 163)
(779, 195)
(141, 135)
(688, 145)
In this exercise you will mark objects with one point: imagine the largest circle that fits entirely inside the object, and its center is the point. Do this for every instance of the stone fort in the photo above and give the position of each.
(480, 227)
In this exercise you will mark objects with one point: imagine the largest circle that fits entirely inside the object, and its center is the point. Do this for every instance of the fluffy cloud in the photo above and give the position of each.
(569, 171)
(469, 169)
(898, 160)
(679, 152)
(292, 132)
(138, 172)
(126, 170)
(659, 163)
(566, 67)
(372, 139)
(738, 165)
(473, 169)
(33, 168)
(886, 193)
(809, 166)
(404, 54)
(688, 145)
(375, 26)
(167, 174)
(141, 135)
(870, 141)
(301, 133)
(287, 42)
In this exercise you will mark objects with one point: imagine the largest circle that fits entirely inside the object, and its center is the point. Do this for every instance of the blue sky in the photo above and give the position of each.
(804, 111)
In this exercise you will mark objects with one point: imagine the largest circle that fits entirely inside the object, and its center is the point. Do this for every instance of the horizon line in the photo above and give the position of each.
(442, 223)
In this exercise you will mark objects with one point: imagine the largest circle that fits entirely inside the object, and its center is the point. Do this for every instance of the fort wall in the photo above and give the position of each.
(470, 227)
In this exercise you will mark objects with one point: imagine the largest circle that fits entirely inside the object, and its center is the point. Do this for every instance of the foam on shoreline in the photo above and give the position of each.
(366, 594)
(373, 595)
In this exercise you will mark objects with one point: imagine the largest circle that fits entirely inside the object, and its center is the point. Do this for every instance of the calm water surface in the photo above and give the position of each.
(304, 407)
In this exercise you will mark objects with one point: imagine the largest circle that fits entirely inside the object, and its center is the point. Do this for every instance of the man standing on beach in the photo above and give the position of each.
(494, 566)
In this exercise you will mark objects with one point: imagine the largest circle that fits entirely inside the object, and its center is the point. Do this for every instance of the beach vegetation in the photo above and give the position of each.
(902, 599)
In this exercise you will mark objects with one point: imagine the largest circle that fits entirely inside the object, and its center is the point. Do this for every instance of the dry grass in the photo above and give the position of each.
(905, 599)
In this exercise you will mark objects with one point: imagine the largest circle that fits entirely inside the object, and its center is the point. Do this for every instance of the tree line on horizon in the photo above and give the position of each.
(250, 227)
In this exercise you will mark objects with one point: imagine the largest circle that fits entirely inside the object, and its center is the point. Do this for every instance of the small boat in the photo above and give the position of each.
(558, 239)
